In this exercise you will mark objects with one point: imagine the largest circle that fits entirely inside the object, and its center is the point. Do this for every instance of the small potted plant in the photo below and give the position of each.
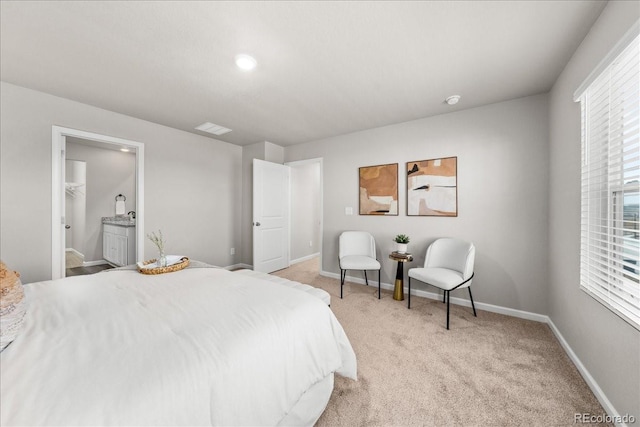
(401, 241)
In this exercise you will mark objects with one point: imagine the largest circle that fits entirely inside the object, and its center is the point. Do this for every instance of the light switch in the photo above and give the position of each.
(348, 211)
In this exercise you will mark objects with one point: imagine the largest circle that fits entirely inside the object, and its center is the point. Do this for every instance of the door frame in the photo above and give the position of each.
(318, 160)
(58, 156)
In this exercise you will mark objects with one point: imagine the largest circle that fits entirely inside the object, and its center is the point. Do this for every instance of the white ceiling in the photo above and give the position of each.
(324, 68)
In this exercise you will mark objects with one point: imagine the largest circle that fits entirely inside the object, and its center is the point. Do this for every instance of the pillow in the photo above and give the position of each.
(12, 305)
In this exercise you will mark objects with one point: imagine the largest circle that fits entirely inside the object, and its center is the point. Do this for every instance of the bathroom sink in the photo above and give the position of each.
(124, 221)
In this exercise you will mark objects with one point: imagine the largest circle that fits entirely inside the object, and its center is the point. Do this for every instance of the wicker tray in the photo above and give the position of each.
(160, 270)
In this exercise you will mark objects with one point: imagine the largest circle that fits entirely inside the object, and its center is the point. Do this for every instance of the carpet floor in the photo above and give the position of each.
(73, 260)
(490, 370)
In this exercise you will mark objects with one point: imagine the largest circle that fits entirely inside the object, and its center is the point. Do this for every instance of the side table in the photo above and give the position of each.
(401, 258)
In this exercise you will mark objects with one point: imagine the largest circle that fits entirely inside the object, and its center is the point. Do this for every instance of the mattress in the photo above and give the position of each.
(200, 346)
(318, 293)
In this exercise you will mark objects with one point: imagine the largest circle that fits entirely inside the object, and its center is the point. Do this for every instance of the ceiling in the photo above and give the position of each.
(324, 68)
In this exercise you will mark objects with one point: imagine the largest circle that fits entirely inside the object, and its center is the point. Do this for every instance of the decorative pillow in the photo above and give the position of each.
(12, 305)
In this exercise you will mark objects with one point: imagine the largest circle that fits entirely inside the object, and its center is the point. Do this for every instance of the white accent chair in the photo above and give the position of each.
(448, 265)
(357, 251)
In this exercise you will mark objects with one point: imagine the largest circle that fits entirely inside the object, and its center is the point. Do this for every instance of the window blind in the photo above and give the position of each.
(610, 250)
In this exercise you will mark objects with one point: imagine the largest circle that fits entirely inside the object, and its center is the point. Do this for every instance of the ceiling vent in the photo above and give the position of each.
(213, 128)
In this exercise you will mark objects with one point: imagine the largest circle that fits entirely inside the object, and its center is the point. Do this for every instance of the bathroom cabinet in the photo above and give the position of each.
(119, 244)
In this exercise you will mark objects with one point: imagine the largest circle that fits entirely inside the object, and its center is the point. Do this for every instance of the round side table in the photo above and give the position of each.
(398, 289)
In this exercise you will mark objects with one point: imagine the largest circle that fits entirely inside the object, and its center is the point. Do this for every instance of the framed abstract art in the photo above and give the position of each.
(432, 187)
(379, 189)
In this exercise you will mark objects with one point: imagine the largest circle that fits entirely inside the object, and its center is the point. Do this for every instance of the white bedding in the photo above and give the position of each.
(200, 346)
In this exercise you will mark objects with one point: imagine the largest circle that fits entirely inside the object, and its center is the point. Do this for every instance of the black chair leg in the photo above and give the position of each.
(365, 278)
(409, 294)
(378, 284)
(472, 305)
(444, 294)
(343, 273)
(448, 297)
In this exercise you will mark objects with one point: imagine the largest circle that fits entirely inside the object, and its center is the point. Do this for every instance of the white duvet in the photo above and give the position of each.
(200, 346)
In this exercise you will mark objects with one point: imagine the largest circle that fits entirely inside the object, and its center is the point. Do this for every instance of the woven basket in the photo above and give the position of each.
(161, 270)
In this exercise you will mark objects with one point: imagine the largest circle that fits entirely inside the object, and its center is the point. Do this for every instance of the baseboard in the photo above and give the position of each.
(591, 382)
(238, 267)
(75, 251)
(304, 258)
(97, 262)
(454, 300)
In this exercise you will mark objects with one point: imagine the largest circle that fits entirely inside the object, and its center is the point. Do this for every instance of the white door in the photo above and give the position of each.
(270, 216)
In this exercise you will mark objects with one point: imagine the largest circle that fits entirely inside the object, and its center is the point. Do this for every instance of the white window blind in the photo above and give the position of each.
(610, 250)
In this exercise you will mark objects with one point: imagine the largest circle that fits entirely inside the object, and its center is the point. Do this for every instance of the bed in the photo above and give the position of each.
(201, 346)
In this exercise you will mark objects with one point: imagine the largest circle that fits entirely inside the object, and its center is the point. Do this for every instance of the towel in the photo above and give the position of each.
(120, 208)
(171, 259)
(192, 264)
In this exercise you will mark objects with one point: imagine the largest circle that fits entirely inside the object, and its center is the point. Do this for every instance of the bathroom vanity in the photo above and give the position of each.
(119, 240)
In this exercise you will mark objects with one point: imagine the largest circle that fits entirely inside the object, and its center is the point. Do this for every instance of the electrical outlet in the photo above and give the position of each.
(348, 211)
(232, 251)
(310, 243)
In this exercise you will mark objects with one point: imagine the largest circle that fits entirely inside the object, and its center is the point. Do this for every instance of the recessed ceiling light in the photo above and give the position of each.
(245, 62)
(213, 128)
(452, 100)
(125, 150)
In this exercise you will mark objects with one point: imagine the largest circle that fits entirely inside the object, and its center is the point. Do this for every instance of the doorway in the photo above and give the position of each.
(75, 189)
(306, 214)
(64, 183)
(271, 216)
(96, 176)
(296, 200)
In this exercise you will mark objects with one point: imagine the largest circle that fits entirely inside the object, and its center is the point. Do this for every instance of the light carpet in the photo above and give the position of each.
(73, 260)
(488, 370)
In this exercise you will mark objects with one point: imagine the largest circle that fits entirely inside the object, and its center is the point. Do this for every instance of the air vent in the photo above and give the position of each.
(213, 128)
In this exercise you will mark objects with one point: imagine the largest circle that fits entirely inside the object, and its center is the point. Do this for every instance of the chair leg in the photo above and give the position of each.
(409, 294)
(365, 278)
(343, 273)
(444, 294)
(472, 305)
(448, 296)
(378, 284)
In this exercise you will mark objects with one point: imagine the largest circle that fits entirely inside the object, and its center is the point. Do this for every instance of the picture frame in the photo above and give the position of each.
(378, 190)
(432, 187)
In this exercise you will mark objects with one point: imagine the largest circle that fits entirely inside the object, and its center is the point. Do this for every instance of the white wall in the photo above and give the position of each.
(305, 210)
(192, 183)
(108, 173)
(607, 346)
(503, 162)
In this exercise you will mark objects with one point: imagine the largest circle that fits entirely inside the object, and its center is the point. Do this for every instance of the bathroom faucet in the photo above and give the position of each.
(132, 214)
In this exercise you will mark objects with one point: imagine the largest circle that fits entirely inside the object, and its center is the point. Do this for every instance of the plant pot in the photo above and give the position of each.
(401, 248)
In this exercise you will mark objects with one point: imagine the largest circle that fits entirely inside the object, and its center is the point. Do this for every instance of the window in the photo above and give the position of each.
(610, 250)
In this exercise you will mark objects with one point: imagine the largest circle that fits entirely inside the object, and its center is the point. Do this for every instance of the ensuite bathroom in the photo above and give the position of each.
(100, 202)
